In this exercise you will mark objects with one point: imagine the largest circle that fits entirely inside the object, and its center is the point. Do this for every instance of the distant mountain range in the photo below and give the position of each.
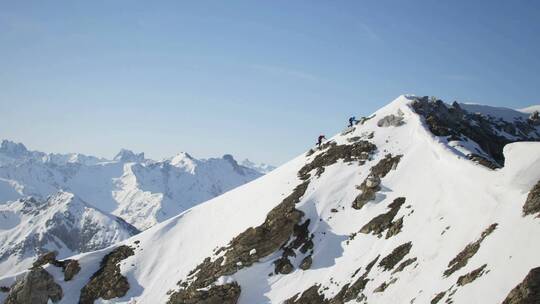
(105, 200)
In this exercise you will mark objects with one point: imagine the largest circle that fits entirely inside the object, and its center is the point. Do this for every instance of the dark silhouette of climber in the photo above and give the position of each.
(320, 140)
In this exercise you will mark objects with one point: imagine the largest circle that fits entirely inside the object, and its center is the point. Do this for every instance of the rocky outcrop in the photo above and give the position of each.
(306, 263)
(532, 204)
(309, 296)
(358, 151)
(391, 260)
(354, 290)
(455, 123)
(217, 294)
(107, 283)
(250, 246)
(37, 287)
(471, 276)
(526, 292)
(534, 119)
(391, 120)
(468, 252)
(438, 297)
(371, 185)
(385, 221)
(384, 285)
(69, 267)
(404, 265)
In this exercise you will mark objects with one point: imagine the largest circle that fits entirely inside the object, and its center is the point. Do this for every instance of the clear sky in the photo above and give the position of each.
(257, 79)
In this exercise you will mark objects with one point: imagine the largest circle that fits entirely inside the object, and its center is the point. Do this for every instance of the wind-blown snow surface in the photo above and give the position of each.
(450, 201)
(141, 191)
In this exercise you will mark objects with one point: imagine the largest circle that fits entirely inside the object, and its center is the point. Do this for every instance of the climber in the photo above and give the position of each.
(352, 121)
(320, 140)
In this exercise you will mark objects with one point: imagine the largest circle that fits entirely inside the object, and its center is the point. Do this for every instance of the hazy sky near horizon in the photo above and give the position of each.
(257, 79)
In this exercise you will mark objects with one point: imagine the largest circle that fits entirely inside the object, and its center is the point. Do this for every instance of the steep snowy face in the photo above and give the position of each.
(62, 223)
(141, 191)
(385, 212)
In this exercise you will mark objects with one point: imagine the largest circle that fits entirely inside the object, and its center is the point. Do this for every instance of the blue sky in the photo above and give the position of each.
(257, 79)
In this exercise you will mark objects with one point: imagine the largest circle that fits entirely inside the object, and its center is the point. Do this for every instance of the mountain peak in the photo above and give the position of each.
(126, 155)
(12, 148)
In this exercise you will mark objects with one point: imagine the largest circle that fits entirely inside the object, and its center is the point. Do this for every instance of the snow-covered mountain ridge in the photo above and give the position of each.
(141, 191)
(63, 223)
(415, 204)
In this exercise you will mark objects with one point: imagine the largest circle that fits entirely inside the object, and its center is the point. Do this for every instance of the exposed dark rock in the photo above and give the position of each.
(385, 221)
(455, 123)
(385, 285)
(471, 276)
(107, 283)
(354, 139)
(354, 291)
(371, 185)
(483, 161)
(217, 294)
(281, 224)
(71, 268)
(438, 297)
(534, 119)
(46, 258)
(309, 296)
(468, 252)
(306, 263)
(532, 204)
(391, 120)
(358, 151)
(4, 289)
(391, 260)
(404, 264)
(283, 266)
(526, 292)
(395, 228)
(37, 287)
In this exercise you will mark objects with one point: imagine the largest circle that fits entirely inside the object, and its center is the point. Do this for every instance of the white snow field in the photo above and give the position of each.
(450, 200)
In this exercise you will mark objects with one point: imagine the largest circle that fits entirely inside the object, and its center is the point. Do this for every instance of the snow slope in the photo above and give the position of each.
(436, 218)
(141, 191)
(62, 223)
(530, 109)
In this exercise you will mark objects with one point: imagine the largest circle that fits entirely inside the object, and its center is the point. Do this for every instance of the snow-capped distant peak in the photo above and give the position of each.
(129, 156)
(262, 167)
(183, 160)
(13, 149)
